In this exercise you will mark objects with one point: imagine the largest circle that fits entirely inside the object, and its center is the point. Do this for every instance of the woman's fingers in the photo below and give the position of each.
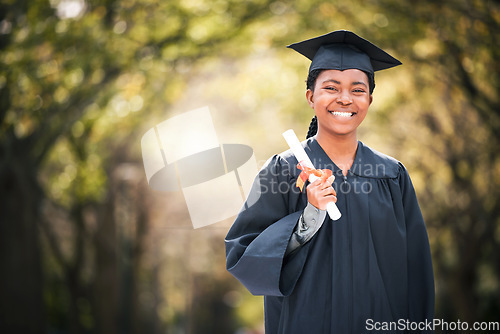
(329, 194)
(320, 193)
(329, 191)
(327, 187)
(321, 186)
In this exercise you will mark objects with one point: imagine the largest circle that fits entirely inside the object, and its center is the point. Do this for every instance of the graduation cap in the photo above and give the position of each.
(342, 50)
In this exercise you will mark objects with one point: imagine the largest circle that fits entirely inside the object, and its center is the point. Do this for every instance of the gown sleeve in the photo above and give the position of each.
(258, 238)
(420, 272)
(310, 222)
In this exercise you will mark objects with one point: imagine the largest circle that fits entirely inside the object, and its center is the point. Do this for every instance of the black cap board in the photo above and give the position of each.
(342, 50)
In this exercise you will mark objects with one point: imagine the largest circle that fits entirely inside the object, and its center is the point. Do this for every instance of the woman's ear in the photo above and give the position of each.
(371, 99)
(309, 97)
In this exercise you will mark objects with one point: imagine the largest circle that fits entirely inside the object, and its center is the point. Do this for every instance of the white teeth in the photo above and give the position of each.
(343, 114)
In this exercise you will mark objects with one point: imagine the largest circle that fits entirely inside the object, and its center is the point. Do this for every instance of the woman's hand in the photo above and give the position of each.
(320, 193)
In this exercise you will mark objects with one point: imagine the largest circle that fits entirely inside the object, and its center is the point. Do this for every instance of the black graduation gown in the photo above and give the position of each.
(373, 264)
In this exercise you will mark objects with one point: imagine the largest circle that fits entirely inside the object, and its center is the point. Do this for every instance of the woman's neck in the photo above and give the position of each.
(340, 148)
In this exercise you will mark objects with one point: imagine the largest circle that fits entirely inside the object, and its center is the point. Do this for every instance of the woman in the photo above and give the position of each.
(369, 270)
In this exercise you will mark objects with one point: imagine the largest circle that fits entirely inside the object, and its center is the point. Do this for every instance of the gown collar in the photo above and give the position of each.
(367, 162)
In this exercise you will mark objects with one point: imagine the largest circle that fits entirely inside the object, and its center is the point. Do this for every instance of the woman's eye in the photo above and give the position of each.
(359, 90)
(330, 88)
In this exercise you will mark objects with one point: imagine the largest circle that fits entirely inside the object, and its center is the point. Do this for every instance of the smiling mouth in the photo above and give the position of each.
(342, 113)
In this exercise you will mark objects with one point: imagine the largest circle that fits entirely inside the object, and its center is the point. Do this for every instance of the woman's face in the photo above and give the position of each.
(340, 100)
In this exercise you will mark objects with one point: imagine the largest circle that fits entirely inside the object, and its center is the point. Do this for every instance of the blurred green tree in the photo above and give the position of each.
(68, 68)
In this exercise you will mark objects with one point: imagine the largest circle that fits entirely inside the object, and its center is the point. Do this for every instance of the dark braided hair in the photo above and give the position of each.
(313, 127)
(311, 82)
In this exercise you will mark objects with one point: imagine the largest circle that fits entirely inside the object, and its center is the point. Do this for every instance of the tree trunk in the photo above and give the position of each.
(106, 280)
(21, 299)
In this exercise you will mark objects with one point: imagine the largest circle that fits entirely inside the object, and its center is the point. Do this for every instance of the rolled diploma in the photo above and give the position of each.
(301, 155)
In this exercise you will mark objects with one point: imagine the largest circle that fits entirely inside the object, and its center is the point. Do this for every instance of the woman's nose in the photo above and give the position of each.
(344, 99)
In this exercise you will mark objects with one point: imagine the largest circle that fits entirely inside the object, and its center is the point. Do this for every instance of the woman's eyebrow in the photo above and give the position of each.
(359, 83)
(354, 83)
(332, 80)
